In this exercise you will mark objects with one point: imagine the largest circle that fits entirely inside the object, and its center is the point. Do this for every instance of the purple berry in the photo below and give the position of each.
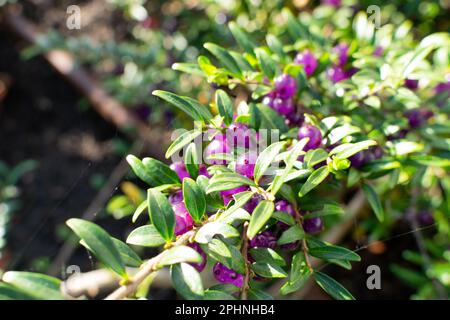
(253, 202)
(333, 3)
(336, 74)
(245, 164)
(307, 59)
(283, 205)
(285, 86)
(378, 51)
(358, 159)
(227, 195)
(176, 197)
(183, 221)
(283, 106)
(314, 135)
(313, 225)
(341, 50)
(425, 218)
(290, 246)
(412, 84)
(268, 101)
(416, 117)
(180, 170)
(225, 275)
(240, 136)
(295, 119)
(217, 146)
(203, 171)
(199, 266)
(265, 239)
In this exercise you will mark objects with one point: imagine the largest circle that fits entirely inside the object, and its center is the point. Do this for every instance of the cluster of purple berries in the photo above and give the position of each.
(281, 98)
(338, 71)
(361, 158)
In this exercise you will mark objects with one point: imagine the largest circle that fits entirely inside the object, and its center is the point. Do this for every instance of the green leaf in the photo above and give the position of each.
(99, 243)
(332, 287)
(140, 170)
(295, 29)
(292, 234)
(332, 252)
(161, 214)
(260, 216)
(217, 295)
(275, 46)
(293, 155)
(178, 254)
(227, 181)
(226, 254)
(38, 286)
(374, 201)
(206, 233)
(191, 160)
(241, 37)
(139, 210)
(267, 270)
(256, 294)
(160, 172)
(300, 274)
(346, 150)
(8, 292)
(129, 257)
(267, 255)
(265, 159)
(190, 68)
(225, 106)
(194, 199)
(187, 281)
(181, 141)
(225, 57)
(196, 110)
(417, 57)
(145, 236)
(270, 119)
(284, 217)
(314, 180)
(239, 200)
(266, 63)
(313, 157)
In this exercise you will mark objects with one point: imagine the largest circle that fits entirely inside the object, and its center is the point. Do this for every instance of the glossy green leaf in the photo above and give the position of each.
(187, 281)
(161, 214)
(314, 180)
(241, 37)
(259, 218)
(292, 234)
(182, 141)
(178, 254)
(224, 57)
(267, 270)
(194, 199)
(265, 159)
(206, 233)
(36, 285)
(332, 287)
(99, 243)
(225, 106)
(145, 236)
(267, 255)
(129, 257)
(374, 201)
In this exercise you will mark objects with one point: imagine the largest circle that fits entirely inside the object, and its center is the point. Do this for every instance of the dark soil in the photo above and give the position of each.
(41, 120)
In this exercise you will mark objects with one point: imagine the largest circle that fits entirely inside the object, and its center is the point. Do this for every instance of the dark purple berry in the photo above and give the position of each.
(225, 275)
(285, 86)
(290, 246)
(313, 225)
(176, 197)
(358, 159)
(283, 106)
(283, 205)
(227, 195)
(253, 202)
(265, 239)
(416, 117)
(425, 218)
(333, 3)
(336, 74)
(180, 170)
(412, 84)
(245, 164)
(217, 145)
(314, 135)
(183, 220)
(341, 50)
(199, 266)
(307, 59)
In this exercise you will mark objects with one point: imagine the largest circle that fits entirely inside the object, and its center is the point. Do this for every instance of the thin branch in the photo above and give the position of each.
(245, 286)
(146, 269)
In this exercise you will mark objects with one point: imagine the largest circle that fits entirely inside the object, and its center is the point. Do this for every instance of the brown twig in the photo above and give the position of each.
(146, 269)
(245, 286)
